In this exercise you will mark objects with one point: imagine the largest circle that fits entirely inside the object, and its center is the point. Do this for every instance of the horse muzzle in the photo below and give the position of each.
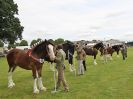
(52, 58)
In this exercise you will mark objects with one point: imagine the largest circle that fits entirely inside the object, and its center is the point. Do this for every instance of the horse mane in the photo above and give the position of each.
(41, 46)
(116, 47)
(68, 46)
(97, 45)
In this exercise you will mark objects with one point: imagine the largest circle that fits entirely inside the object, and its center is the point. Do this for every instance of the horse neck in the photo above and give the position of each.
(71, 49)
(97, 47)
(39, 53)
(115, 48)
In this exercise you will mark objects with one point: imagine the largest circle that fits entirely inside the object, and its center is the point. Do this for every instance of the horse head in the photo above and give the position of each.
(99, 45)
(44, 50)
(68, 48)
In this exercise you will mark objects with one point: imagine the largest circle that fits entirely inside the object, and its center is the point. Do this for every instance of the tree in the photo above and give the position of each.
(33, 42)
(23, 43)
(17, 44)
(67, 41)
(11, 46)
(130, 43)
(1, 44)
(59, 41)
(51, 40)
(10, 27)
(38, 40)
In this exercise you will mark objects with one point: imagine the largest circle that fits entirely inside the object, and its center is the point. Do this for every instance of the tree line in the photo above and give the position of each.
(25, 43)
(130, 43)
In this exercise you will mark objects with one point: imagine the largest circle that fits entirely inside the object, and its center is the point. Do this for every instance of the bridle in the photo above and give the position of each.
(47, 49)
(40, 60)
(34, 58)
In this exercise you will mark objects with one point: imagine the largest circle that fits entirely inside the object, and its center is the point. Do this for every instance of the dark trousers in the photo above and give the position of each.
(124, 54)
(84, 64)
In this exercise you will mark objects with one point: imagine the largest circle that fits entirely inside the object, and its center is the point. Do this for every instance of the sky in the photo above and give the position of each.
(76, 19)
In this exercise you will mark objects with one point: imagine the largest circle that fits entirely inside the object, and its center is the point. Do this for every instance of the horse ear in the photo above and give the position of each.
(31, 46)
(46, 41)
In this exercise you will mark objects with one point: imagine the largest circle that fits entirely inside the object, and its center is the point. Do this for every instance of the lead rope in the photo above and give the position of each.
(39, 60)
(55, 74)
(74, 64)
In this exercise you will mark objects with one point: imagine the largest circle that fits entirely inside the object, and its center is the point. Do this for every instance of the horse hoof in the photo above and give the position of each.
(53, 70)
(102, 58)
(43, 89)
(74, 69)
(36, 91)
(118, 56)
(11, 85)
(71, 70)
(95, 63)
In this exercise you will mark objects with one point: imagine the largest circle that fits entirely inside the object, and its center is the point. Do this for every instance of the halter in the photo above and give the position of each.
(36, 59)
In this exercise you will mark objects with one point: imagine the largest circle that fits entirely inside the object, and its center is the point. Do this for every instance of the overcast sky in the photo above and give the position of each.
(76, 19)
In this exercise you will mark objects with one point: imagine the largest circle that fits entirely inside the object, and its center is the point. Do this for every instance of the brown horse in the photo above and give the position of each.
(107, 50)
(31, 60)
(94, 50)
(111, 50)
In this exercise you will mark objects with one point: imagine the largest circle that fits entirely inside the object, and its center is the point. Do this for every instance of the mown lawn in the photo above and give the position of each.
(113, 80)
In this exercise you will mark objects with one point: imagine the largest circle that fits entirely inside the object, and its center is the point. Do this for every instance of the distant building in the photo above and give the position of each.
(23, 47)
(112, 42)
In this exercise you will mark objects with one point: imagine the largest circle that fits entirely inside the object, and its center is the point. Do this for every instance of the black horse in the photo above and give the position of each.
(94, 50)
(117, 48)
(69, 49)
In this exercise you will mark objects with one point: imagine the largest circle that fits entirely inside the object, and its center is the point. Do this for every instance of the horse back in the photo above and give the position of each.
(90, 51)
(18, 57)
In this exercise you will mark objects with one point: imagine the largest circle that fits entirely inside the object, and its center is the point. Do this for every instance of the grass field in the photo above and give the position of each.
(113, 80)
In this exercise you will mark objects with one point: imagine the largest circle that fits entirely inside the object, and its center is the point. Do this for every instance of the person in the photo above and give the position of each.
(81, 55)
(124, 51)
(60, 58)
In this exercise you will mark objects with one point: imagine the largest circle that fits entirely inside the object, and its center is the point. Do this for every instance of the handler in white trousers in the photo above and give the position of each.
(81, 55)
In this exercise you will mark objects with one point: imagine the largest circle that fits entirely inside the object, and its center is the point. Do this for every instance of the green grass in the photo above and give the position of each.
(113, 80)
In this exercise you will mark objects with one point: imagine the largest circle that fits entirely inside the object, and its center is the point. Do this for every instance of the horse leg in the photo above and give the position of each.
(10, 81)
(40, 84)
(102, 58)
(102, 55)
(70, 64)
(95, 63)
(52, 66)
(110, 57)
(72, 67)
(118, 54)
(35, 75)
